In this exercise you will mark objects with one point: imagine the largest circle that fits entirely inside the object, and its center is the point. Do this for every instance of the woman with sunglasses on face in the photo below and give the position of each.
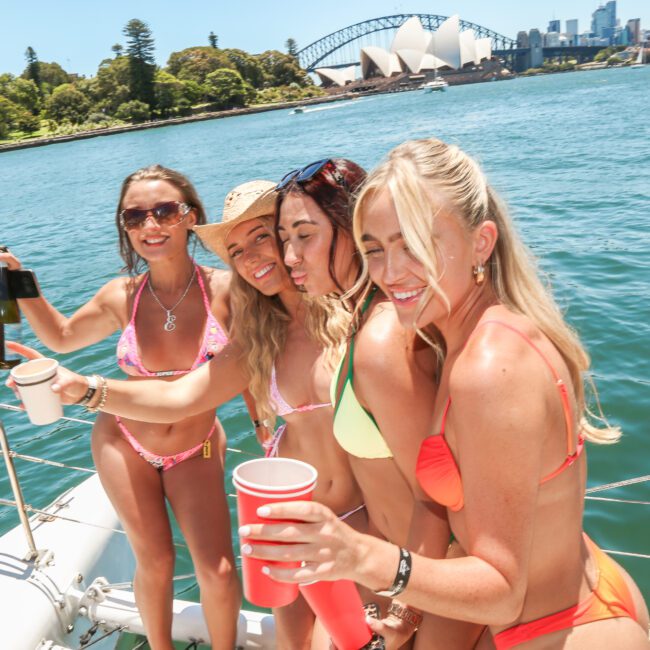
(385, 384)
(284, 345)
(288, 346)
(173, 318)
(506, 457)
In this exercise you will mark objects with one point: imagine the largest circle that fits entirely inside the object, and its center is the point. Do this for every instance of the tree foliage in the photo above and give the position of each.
(67, 103)
(292, 47)
(213, 39)
(283, 69)
(133, 111)
(33, 70)
(142, 64)
(226, 88)
(248, 66)
(196, 63)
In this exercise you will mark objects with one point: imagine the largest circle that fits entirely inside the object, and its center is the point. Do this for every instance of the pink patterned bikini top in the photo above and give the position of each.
(128, 355)
(282, 408)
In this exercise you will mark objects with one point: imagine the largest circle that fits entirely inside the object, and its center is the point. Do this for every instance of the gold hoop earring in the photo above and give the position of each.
(478, 272)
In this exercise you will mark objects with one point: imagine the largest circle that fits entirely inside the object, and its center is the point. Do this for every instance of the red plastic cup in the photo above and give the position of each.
(338, 606)
(260, 482)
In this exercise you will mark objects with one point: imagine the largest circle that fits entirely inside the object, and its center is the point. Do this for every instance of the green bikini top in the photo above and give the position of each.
(354, 428)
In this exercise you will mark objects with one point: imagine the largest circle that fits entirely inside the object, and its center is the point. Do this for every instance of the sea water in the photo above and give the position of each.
(568, 152)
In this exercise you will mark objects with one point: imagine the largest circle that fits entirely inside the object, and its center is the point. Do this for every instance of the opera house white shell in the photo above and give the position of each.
(415, 50)
(336, 77)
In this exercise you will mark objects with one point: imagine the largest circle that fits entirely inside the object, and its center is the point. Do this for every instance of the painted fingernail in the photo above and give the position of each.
(263, 511)
(244, 531)
(246, 549)
(266, 571)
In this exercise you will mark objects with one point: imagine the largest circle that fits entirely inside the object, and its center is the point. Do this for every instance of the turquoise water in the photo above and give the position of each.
(568, 152)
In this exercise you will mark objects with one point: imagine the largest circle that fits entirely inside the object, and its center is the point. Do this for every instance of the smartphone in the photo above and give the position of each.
(23, 284)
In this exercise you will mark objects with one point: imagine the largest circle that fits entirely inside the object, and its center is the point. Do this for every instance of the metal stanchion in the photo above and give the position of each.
(18, 495)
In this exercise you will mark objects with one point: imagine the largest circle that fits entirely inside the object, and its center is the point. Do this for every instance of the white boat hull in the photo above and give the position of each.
(48, 603)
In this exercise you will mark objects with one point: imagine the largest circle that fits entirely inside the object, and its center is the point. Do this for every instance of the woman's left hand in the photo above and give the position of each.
(327, 548)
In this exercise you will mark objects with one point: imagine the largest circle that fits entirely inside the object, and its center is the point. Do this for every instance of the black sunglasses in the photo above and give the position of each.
(308, 172)
(169, 213)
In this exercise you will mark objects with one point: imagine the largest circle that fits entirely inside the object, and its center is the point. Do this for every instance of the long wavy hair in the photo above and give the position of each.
(411, 172)
(334, 198)
(133, 263)
(259, 326)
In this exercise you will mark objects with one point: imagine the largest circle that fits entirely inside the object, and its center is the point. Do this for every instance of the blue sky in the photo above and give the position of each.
(78, 34)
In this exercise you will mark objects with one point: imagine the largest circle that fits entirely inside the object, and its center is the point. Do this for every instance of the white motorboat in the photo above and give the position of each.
(437, 83)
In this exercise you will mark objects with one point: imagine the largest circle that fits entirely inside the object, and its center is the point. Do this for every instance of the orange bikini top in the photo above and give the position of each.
(436, 468)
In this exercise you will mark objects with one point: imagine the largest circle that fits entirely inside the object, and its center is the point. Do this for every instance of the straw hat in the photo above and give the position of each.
(247, 201)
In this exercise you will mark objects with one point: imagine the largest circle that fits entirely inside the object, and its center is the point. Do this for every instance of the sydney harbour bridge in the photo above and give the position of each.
(341, 48)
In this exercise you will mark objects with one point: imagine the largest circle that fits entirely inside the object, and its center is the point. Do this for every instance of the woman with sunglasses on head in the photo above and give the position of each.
(386, 382)
(173, 318)
(288, 346)
(506, 457)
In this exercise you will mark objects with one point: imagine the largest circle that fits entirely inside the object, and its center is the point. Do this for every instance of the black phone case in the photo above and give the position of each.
(22, 284)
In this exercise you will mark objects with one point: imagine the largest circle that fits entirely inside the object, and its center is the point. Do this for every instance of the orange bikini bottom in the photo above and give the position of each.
(611, 598)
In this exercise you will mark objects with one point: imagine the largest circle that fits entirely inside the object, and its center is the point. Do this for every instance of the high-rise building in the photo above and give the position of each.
(603, 21)
(634, 30)
(572, 31)
(554, 26)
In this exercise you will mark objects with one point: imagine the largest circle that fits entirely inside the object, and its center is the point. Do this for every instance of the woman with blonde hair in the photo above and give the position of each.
(506, 457)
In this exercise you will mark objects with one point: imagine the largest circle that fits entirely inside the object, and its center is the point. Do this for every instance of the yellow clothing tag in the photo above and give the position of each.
(207, 449)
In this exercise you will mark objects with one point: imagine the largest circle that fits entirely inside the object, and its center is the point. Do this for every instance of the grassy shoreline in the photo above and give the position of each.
(42, 141)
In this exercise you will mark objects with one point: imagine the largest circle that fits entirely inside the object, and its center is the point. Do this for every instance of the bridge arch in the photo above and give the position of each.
(319, 50)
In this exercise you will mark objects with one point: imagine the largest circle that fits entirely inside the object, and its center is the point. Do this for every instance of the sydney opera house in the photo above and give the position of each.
(416, 51)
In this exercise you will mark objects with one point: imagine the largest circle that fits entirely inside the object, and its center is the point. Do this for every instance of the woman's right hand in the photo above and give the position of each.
(69, 385)
(8, 258)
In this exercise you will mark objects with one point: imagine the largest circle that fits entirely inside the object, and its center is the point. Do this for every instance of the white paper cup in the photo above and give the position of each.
(34, 380)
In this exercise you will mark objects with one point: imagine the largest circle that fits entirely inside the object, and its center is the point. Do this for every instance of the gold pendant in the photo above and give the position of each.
(207, 449)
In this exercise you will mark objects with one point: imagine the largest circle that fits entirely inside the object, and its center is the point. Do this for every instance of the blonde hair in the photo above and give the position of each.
(259, 325)
(416, 168)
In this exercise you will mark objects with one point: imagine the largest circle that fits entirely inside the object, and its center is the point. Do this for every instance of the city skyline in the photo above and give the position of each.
(80, 35)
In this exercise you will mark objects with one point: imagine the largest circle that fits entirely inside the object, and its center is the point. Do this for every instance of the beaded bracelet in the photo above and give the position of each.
(103, 394)
(405, 614)
(257, 424)
(401, 577)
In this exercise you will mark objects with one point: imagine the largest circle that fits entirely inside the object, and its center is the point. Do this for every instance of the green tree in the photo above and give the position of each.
(33, 70)
(227, 89)
(52, 75)
(192, 92)
(66, 103)
(281, 69)
(110, 87)
(196, 63)
(248, 66)
(168, 91)
(213, 39)
(24, 93)
(133, 111)
(292, 47)
(8, 111)
(117, 49)
(142, 64)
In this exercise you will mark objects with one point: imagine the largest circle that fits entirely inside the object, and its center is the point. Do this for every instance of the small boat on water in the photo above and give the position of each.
(298, 110)
(437, 83)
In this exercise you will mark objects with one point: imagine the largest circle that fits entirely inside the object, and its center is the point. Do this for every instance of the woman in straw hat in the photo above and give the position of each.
(289, 344)
(163, 312)
(505, 450)
(284, 347)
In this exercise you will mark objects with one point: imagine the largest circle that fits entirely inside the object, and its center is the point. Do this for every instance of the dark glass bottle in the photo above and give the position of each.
(10, 326)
